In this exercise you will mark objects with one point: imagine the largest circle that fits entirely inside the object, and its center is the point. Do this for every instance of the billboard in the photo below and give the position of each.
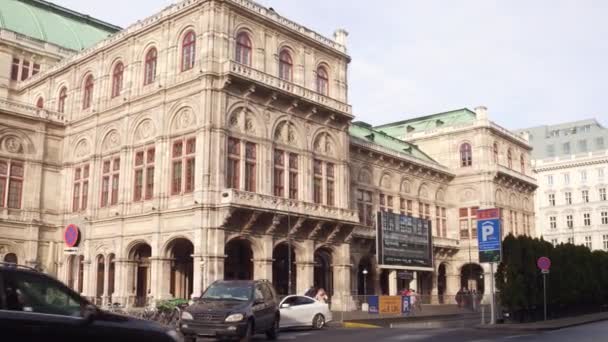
(489, 236)
(403, 241)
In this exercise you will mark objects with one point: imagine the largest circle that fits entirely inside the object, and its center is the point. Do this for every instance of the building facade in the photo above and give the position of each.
(214, 140)
(571, 161)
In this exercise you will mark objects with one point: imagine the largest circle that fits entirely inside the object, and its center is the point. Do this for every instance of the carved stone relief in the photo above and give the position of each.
(285, 133)
(145, 130)
(184, 119)
(13, 145)
(82, 148)
(323, 144)
(112, 141)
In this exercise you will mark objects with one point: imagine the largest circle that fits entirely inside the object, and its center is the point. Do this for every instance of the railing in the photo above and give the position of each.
(238, 197)
(24, 109)
(515, 174)
(444, 242)
(286, 86)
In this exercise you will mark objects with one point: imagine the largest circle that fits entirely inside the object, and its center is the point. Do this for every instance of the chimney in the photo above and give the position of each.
(481, 112)
(340, 36)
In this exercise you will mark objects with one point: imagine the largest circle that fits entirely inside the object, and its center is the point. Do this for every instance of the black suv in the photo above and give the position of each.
(37, 307)
(233, 308)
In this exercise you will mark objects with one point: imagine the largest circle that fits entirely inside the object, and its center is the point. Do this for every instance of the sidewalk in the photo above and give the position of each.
(553, 324)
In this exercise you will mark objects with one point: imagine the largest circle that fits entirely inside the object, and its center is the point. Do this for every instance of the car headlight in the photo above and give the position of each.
(235, 317)
(175, 336)
(187, 315)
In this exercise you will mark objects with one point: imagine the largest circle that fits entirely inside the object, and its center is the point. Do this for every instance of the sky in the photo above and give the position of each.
(530, 62)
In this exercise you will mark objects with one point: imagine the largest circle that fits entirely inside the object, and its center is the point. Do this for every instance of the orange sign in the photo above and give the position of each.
(390, 305)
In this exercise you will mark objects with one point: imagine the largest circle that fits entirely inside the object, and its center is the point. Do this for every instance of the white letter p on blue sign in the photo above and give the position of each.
(486, 230)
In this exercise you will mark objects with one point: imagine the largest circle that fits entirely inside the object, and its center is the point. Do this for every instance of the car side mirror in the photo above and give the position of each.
(89, 313)
(285, 306)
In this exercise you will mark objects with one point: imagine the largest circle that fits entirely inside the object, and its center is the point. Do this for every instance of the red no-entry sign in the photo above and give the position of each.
(543, 263)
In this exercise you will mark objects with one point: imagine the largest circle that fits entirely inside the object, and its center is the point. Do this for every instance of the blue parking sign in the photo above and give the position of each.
(489, 240)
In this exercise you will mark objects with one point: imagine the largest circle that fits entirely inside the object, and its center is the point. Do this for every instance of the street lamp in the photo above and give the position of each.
(364, 281)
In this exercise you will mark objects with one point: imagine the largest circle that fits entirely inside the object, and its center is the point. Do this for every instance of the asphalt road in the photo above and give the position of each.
(595, 332)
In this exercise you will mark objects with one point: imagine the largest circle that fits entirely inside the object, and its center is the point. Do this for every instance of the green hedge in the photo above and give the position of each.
(578, 280)
(169, 305)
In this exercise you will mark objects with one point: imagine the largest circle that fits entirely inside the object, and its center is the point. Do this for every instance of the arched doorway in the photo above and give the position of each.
(139, 257)
(441, 283)
(282, 255)
(182, 268)
(11, 257)
(365, 282)
(100, 272)
(472, 278)
(111, 270)
(238, 264)
(323, 274)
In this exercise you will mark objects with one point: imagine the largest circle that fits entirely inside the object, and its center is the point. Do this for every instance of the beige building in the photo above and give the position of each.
(214, 140)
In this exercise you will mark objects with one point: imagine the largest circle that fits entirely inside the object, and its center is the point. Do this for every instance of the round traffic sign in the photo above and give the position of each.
(543, 263)
(71, 235)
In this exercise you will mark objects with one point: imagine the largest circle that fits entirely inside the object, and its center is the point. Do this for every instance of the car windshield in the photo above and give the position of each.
(229, 292)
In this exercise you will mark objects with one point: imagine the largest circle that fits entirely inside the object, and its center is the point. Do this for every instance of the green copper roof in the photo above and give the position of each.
(366, 132)
(425, 123)
(54, 24)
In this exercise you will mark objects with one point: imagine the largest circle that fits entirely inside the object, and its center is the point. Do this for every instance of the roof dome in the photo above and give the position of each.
(54, 24)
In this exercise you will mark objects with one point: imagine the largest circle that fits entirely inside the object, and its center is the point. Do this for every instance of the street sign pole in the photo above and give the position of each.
(493, 302)
(544, 264)
(545, 292)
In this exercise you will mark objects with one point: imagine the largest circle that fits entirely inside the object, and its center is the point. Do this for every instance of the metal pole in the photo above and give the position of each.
(364, 284)
(493, 302)
(545, 293)
(288, 251)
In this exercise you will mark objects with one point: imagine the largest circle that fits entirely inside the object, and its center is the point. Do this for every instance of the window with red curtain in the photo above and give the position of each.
(509, 159)
(233, 170)
(11, 184)
(183, 157)
(81, 188)
(88, 92)
(293, 176)
(318, 181)
(150, 67)
(466, 155)
(40, 103)
(279, 173)
(63, 95)
(243, 48)
(329, 182)
(322, 81)
(250, 166)
(365, 207)
(188, 51)
(15, 69)
(144, 174)
(495, 153)
(117, 77)
(110, 181)
(285, 66)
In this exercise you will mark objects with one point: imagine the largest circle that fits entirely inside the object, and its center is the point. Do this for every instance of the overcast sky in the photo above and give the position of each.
(530, 62)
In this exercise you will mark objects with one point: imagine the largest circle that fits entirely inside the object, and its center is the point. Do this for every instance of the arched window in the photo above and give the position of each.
(495, 153)
(117, 79)
(509, 159)
(522, 163)
(322, 81)
(150, 68)
(40, 103)
(285, 66)
(63, 94)
(243, 48)
(188, 51)
(466, 155)
(88, 92)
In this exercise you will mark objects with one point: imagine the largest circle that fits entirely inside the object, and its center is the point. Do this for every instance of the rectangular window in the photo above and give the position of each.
(468, 222)
(250, 166)
(437, 221)
(279, 173)
(410, 207)
(604, 217)
(444, 222)
(143, 187)
(600, 173)
(329, 169)
(599, 143)
(588, 242)
(402, 206)
(583, 176)
(568, 197)
(552, 200)
(464, 229)
(571, 240)
(554, 242)
(550, 151)
(585, 196)
(364, 207)
(602, 194)
(550, 179)
(233, 168)
(605, 239)
(566, 178)
(182, 166)
(110, 182)
(318, 181)
(15, 69)
(570, 221)
(25, 70)
(553, 222)
(293, 176)
(582, 145)
(36, 69)
(587, 219)
(566, 148)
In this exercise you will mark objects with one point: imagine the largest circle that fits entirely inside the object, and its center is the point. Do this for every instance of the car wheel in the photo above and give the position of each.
(248, 332)
(272, 333)
(318, 322)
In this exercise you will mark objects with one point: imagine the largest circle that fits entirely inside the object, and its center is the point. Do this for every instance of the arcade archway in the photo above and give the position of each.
(182, 268)
(238, 264)
(472, 278)
(282, 256)
(323, 273)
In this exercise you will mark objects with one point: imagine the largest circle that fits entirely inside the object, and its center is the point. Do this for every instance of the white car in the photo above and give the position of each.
(302, 311)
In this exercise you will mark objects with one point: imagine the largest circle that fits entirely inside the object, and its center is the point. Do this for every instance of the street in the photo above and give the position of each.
(583, 333)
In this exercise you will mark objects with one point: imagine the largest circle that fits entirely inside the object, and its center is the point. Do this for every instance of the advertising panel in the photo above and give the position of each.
(404, 241)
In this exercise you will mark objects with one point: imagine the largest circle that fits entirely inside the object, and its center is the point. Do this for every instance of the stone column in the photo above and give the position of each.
(305, 276)
(414, 281)
(262, 269)
(341, 298)
(487, 283)
(392, 283)
(198, 267)
(105, 296)
(435, 288)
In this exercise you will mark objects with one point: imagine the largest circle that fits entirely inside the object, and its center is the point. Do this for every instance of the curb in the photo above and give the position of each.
(359, 325)
(548, 328)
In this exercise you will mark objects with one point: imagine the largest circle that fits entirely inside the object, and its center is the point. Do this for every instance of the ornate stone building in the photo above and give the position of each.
(214, 140)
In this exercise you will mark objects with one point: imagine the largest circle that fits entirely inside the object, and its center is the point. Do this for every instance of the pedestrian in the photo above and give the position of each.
(459, 297)
(414, 300)
(311, 292)
(474, 299)
(321, 296)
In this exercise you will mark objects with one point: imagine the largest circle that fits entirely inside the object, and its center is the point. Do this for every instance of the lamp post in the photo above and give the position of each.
(364, 281)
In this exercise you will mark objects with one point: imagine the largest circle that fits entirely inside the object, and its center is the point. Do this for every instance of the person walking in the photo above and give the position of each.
(414, 300)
